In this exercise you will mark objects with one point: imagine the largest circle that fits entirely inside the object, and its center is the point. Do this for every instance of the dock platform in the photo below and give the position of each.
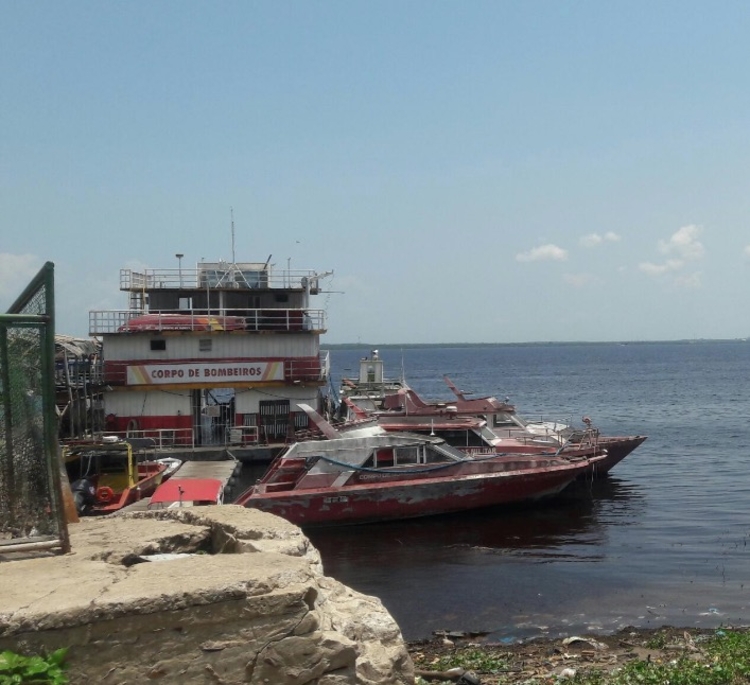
(220, 470)
(225, 470)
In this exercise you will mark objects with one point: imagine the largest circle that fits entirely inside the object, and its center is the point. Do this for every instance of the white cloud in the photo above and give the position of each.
(547, 252)
(591, 240)
(689, 281)
(578, 280)
(747, 250)
(683, 243)
(594, 239)
(16, 270)
(659, 269)
(681, 248)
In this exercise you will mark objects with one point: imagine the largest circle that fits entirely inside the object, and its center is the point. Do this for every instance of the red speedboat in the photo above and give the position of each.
(181, 322)
(399, 407)
(366, 474)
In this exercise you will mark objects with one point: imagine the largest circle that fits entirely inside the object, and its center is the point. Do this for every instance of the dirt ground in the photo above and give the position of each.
(545, 660)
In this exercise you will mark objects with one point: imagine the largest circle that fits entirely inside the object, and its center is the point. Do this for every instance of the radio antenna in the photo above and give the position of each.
(231, 214)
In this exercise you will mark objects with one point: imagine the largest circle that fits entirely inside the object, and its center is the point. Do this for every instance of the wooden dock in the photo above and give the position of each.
(220, 470)
(223, 470)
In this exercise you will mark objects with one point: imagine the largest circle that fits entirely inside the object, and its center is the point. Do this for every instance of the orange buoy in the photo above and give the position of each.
(105, 494)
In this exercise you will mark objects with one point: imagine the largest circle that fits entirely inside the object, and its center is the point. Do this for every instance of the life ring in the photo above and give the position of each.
(105, 494)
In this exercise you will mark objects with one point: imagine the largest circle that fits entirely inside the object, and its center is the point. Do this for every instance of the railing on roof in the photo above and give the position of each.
(196, 320)
(220, 276)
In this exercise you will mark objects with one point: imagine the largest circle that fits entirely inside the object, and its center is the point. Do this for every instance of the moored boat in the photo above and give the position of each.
(504, 419)
(107, 475)
(399, 407)
(366, 474)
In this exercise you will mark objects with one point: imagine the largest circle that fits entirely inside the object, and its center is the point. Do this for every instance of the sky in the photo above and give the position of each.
(504, 171)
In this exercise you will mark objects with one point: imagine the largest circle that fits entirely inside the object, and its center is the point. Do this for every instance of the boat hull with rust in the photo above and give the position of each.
(384, 500)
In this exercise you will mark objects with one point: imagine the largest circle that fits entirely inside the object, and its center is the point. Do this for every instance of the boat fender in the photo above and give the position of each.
(105, 494)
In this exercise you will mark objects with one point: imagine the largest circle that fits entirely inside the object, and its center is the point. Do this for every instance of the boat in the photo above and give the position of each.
(471, 435)
(365, 474)
(214, 355)
(399, 407)
(187, 492)
(181, 322)
(107, 475)
(171, 466)
(503, 419)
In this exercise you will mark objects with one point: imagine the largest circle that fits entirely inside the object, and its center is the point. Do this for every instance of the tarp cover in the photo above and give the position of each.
(188, 490)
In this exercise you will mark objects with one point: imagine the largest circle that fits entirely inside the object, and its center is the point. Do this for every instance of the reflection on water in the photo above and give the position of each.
(664, 539)
(483, 570)
(601, 556)
(543, 531)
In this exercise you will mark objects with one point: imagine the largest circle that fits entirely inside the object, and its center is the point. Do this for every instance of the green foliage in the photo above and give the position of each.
(17, 669)
(725, 661)
(657, 641)
(721, 659)
(679, 672)
(471, 659)
(733, 649)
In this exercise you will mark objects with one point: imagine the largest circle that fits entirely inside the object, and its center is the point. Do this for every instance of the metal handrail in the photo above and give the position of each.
(219, 276)
(229, 320)
(164, 438)
(248, 435)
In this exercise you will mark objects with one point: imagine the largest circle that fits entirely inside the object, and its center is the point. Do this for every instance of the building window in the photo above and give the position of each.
(158, 345)
(205, 345)
(274, 418)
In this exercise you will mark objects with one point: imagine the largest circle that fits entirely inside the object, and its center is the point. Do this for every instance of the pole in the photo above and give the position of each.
(179, 256)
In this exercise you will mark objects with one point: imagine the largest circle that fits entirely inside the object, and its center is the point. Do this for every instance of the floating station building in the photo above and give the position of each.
(219, 354)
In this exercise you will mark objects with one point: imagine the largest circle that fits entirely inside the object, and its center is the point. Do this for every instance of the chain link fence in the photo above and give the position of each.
(32, 516)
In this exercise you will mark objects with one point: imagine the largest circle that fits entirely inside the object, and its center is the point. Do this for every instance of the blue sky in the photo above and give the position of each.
(471, 171)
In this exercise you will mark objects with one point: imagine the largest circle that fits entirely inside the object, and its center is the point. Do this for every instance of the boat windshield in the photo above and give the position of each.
(411, 454)
(505, 420)
(106, 464)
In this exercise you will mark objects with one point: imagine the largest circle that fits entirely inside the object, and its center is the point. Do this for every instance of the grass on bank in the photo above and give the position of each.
(722, 658)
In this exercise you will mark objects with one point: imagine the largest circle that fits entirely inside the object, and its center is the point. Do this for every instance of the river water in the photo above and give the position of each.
(662, 540)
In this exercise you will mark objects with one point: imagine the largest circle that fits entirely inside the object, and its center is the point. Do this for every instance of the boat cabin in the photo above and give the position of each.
(106, 476)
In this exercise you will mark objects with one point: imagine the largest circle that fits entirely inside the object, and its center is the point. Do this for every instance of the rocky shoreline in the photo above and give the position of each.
(446, 656)
(198, 595)
(229, 594)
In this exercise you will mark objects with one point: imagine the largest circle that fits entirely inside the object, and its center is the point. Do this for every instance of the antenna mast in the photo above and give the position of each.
(231, 214)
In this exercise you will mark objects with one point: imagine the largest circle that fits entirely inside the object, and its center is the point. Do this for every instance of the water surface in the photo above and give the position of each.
(664, 539)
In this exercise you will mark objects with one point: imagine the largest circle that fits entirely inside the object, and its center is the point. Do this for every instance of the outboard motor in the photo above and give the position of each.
(84, 494)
